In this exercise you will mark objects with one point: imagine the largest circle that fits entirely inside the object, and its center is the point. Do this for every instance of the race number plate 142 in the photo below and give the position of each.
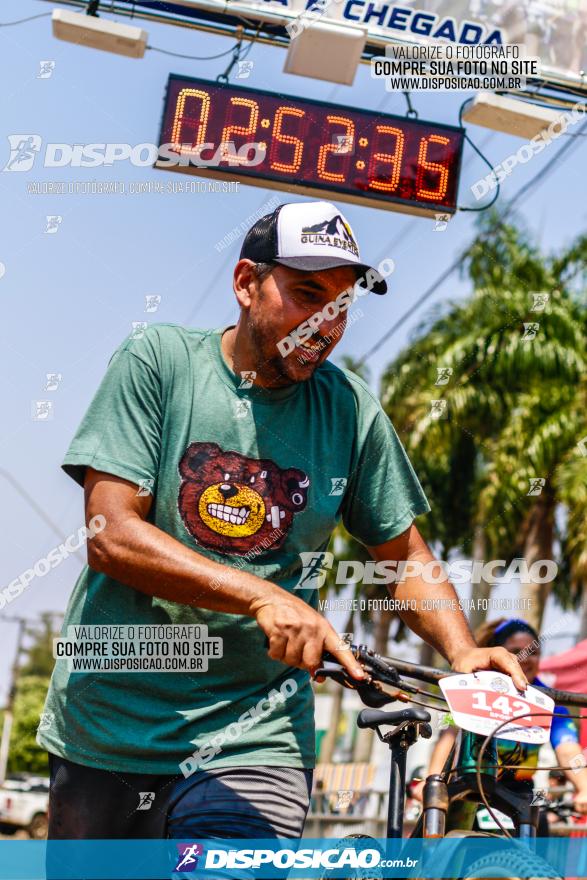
(481, 701)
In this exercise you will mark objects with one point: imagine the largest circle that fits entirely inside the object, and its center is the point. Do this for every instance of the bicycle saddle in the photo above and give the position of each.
(374, 717)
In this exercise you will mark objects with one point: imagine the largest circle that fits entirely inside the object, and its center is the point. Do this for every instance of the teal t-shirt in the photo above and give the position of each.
(251, 478)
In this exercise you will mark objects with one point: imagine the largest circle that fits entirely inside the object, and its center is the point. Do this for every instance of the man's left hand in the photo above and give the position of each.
(475, 659)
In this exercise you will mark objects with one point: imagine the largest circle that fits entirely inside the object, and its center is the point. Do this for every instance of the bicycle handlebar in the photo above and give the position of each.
(432, 675)
(387, 670)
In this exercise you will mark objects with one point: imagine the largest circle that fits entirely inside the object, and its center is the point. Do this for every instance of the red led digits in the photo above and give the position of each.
(183, 122)
(336, 148)
(280, 138)
(315, 148)
(244, 130)
(394, 159)
(424, 165)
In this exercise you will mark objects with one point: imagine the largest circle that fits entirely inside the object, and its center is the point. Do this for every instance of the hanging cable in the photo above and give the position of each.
(484, 158)
(411, 112)
(192, 57)
(22, 20)
(236, 52)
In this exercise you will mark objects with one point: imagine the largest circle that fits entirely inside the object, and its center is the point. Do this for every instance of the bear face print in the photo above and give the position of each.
(231, 503)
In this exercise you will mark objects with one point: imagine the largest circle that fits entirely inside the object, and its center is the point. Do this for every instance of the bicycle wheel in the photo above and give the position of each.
(366, 842)
(507, 864)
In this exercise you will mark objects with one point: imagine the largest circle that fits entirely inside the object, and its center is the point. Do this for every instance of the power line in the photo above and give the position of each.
(539, 178)
(193, 57)
(22, 20)
(37, 508)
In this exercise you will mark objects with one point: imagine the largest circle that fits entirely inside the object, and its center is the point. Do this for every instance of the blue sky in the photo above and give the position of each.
(69, 298)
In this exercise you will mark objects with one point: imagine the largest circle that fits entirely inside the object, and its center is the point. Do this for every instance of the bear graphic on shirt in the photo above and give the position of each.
(231, 503)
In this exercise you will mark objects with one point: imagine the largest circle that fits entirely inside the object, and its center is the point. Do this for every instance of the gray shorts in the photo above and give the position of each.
(232, 802)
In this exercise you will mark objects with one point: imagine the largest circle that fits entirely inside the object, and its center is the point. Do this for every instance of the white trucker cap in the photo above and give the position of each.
(309, 236)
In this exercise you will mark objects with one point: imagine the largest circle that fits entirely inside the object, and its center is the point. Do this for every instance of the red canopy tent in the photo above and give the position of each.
(568, 672)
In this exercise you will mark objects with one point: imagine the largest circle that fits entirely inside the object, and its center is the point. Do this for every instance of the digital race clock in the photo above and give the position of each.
(309, 147)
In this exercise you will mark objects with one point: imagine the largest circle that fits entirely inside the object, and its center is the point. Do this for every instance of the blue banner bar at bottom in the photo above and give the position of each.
(306, 859)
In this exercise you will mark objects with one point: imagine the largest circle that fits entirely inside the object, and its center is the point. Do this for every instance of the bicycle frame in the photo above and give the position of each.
(456, 792)
(451, 798)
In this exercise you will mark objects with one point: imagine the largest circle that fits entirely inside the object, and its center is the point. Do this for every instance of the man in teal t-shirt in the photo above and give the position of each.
(213, 461)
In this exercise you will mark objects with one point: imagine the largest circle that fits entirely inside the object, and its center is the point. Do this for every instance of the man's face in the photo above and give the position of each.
(279, 304)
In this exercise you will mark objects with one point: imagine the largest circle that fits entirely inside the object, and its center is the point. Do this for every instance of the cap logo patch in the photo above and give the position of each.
(334, 232)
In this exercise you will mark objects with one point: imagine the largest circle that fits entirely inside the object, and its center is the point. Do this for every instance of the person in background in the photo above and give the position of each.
(521, 639)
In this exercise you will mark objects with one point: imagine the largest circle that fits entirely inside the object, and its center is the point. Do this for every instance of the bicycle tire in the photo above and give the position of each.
(358, 873)
(505, 863)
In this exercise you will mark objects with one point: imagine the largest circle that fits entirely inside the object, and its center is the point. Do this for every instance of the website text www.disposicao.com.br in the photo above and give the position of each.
(339, 857)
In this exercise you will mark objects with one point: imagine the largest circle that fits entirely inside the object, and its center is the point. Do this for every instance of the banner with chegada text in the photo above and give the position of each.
(555, 31)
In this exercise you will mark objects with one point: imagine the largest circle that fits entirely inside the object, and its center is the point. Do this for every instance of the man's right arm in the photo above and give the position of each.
(142, 556)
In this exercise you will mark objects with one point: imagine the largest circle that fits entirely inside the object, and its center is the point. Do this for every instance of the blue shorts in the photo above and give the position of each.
(86, 803)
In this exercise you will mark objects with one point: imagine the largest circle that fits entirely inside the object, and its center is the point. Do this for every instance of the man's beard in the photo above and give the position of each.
(269, 362)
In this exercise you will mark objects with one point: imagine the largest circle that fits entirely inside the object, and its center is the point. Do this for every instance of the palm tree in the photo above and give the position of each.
(508, 370)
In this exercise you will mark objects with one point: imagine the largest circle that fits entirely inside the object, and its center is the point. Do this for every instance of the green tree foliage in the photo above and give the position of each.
(25, 755)
(32, 682)
(512, 403)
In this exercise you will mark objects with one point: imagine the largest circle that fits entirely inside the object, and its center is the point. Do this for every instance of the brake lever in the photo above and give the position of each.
(369, 691)
(337, 675)
(372, 663)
